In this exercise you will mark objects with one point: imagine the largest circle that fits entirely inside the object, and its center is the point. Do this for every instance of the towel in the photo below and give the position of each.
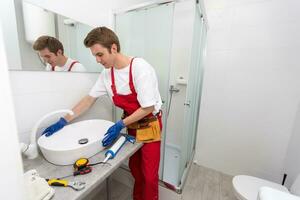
(36, 187)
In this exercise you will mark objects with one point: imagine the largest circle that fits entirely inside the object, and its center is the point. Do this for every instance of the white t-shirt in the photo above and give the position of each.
(144, 81)
(77, 67)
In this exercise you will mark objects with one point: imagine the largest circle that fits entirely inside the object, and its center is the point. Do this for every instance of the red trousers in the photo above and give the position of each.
(144, 165)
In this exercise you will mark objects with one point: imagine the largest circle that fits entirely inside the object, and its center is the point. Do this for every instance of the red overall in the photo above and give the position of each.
(144, 163)
(70, 68)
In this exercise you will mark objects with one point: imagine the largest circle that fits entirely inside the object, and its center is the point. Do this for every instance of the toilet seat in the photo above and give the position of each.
(247, 187)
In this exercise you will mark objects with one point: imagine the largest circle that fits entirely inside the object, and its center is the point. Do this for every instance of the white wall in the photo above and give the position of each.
(38, 93)
(9, 147)
(251, 87)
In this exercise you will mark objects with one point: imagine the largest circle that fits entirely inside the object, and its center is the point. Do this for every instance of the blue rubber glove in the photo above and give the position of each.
(112, 133)
(55, 127)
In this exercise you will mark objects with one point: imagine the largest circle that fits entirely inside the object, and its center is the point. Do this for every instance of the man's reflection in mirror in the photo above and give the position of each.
(51, 51)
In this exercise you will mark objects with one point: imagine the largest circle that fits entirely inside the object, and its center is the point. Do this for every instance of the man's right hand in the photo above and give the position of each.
(55, 127)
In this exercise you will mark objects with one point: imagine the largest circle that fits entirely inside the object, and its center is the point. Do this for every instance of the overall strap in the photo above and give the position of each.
(113, 86)
(130, 78)
(71, 66)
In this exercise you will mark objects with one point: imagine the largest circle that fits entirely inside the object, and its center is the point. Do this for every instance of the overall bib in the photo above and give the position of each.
(144, 163)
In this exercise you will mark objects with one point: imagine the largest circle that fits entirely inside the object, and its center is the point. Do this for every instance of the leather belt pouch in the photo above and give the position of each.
(150, 133)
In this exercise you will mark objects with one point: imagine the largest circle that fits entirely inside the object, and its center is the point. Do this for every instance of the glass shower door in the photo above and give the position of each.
(147, 33)
(140, 35)
(193, 96)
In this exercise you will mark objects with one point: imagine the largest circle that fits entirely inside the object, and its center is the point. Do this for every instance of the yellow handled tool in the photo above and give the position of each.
(76, 185)
(56, 182)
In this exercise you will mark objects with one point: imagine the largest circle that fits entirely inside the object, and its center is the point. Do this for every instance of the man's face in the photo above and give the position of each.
(49, 57)
(103, 56)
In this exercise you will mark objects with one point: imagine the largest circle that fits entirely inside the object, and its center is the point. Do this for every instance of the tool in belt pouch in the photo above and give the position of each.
(147, 129)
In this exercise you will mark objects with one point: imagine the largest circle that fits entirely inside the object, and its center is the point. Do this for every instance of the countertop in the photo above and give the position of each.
(93, 179)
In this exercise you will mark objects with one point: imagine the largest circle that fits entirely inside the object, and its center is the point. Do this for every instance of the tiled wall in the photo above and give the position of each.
(251, 85)
(38, 93)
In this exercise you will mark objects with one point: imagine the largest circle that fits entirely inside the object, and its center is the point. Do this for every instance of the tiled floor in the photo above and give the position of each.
(202, 184)
(207, 184)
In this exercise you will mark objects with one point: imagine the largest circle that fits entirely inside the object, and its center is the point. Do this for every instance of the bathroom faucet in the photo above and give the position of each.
(31, 150)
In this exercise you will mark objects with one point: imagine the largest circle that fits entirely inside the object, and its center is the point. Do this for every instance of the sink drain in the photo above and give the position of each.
(83, 141)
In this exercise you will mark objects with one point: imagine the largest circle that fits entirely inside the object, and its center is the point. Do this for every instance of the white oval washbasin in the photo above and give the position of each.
(64, 148)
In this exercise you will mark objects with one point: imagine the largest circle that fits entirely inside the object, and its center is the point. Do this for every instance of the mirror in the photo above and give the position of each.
(34, 21)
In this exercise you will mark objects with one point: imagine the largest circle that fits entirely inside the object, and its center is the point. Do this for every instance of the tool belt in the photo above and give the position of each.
(147, 129)
(142, 123)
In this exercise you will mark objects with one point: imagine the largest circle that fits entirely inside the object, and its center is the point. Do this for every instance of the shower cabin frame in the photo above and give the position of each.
(150, 4)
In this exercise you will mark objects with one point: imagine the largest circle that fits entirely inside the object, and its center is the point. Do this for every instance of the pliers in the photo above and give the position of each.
(76, 185)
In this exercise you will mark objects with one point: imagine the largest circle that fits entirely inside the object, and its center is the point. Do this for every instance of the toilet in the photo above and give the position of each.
(247, 187)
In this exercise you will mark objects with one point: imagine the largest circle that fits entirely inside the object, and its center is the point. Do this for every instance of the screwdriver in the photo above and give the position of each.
(82, 171)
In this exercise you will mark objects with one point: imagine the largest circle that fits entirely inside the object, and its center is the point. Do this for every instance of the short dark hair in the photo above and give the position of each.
(103, 36)
(49, 42)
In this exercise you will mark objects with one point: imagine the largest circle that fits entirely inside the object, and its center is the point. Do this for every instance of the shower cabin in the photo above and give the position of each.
(171, 36)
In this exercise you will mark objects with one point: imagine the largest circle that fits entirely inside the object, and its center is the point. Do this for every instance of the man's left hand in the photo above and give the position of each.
(112, 133)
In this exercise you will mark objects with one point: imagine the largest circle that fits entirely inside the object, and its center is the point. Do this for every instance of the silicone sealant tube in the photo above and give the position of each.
(112, 151)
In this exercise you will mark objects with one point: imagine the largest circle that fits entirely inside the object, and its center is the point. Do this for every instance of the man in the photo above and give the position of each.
(131, 83)
(52, 52)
